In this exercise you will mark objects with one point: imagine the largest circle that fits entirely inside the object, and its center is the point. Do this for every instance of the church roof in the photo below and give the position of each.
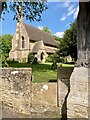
(36, 35)
(49, 50)
(38, 46)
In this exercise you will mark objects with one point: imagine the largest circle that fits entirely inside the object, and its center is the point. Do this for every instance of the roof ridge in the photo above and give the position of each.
(36, 34)
(38, 29)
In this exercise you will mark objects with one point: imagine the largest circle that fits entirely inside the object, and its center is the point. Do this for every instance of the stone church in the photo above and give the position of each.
(28, 39)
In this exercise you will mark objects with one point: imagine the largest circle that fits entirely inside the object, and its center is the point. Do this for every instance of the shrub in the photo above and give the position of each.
(35, 61)
(3, 58)
(3, 61)
(49, 58)
(54, 65)
(30, 57)
(62, 59)
(11, 61)
(24, 60)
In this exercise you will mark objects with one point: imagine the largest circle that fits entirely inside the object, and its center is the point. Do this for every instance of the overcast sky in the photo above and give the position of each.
(57, 17)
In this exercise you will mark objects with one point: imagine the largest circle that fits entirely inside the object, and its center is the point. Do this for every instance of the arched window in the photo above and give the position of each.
(23, 42)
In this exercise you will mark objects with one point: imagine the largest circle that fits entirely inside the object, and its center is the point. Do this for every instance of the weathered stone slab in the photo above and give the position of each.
(63, 77)
(77, 101)
(44, 94)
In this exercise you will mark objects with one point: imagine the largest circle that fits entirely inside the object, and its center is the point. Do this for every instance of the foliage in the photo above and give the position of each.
(68, 44)
(53, 58)
(57, 38)
(6, 46)
(46, 29)
(12, 61)
(35, 61)
(49, 58)
(30, 57)
(3, 8)
(31, 10)
(54, 66)
(56, 58)
(41, 72)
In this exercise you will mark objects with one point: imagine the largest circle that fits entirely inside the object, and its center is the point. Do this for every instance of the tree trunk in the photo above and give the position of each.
(83, 39)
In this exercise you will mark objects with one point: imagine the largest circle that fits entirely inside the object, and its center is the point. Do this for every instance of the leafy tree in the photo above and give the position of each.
(68, 44)
(6, 46)
(46, 29)
(31, 10)
(31, 57)
(57, 38)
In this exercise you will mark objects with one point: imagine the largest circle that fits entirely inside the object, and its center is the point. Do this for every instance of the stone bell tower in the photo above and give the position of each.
(20, 14)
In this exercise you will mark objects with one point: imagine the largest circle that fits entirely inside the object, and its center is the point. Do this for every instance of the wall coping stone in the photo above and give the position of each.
(16, 68)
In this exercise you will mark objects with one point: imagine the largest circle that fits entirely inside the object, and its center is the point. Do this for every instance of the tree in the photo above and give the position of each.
(30, 10)
(57, 38)
(46, 29)
(6, 46)
(68, 44)
(83, 41)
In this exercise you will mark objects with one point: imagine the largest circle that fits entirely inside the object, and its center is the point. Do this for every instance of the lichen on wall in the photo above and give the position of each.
(16, 89)
(21, 96)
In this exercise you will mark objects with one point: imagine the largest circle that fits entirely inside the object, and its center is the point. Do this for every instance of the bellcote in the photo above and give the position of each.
(20, 14)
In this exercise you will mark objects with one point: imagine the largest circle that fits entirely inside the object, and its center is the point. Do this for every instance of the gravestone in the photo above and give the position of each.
(78, 99)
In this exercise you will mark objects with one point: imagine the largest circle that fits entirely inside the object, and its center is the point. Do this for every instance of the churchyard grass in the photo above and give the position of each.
(41, 72)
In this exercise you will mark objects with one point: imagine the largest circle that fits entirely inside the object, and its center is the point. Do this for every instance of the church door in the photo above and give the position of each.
(42, 56)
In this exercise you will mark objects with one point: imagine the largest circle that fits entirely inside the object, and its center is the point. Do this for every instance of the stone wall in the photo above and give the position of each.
(63, 88)
(44, 94)
(67, 98)
(22, 96)
(16, 89)
(78, 99)
(44, 100)
(73, 92)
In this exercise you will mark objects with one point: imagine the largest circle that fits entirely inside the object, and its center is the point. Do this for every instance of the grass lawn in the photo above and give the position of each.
(41, 72)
